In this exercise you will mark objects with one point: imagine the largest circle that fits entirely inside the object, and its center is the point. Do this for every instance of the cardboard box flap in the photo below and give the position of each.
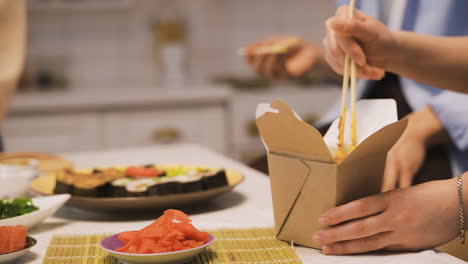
(284, 133)
(286, 186)
(379, 142)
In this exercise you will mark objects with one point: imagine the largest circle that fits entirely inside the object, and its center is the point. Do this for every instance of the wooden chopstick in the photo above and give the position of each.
(349, 71)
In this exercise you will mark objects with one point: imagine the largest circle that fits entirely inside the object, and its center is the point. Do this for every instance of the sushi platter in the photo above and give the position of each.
(137, 188)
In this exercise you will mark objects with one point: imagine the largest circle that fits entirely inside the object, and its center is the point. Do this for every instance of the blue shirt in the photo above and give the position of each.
(439, 18)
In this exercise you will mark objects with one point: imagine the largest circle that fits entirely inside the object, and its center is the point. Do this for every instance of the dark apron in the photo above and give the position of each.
(436, 164)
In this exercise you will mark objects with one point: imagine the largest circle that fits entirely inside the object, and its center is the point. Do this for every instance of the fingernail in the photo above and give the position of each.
(327, 250)
(317, 237)
(323, 219)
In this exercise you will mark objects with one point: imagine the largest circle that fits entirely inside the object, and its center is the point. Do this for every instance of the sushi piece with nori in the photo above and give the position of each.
(89, 185)
(219, 179)
(190, 183)
(165, 186)
(139, 188)
(119, 187)
(64, 182)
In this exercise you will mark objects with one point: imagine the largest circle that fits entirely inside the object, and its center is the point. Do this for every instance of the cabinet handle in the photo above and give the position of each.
(166, 135)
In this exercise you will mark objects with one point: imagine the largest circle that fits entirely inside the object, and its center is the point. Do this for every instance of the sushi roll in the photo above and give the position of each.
(139, 188)
(89, 185)
(64, 182)
(215, 180)
(190, 183)
(119, 187)
(165, 186)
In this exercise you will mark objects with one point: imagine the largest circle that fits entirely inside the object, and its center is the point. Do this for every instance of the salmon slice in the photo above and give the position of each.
(12, 238)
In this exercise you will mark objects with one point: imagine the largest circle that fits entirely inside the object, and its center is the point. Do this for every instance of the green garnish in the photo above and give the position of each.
(175, 171)
(16, 207)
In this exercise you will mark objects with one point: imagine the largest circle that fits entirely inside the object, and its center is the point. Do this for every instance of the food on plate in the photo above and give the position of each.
(93, 184)
(139, 181)
(172, 231)
(147, 171)
(16, 207)
(12, 238)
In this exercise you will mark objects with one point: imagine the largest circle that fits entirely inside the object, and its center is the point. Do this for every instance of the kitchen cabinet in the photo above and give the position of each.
(52, 133)
(73, 121)
(205, 125)
(216, 117)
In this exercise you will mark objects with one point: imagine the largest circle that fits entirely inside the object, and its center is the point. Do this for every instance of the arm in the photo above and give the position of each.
(436, 61)
(415, 218)
(12, 46)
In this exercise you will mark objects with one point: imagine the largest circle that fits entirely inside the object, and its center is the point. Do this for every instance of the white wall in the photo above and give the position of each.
(113, 48)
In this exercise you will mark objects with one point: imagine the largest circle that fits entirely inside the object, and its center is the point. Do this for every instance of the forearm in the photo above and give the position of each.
(437, 61)
(426, 126)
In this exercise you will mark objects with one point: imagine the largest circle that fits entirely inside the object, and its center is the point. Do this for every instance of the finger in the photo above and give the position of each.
(351, 230)
(268, 66)
(279, 71)
(406, 179)
(367, 244)
(343, 12)
(356, 209)
(335, 56)
(300, 61)
(352, 49)
(282, 73)
(390, 175)
(360, 30)
(370, 72)
(258, 64)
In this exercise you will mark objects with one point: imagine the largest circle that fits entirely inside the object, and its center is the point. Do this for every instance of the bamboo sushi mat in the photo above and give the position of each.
(236, 246)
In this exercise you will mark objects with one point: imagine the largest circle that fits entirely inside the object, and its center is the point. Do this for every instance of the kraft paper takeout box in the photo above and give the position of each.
(306, 180)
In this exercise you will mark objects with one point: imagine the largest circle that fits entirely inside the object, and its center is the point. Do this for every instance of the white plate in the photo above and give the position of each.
(48, 205)
(14, 255)
(111, 243)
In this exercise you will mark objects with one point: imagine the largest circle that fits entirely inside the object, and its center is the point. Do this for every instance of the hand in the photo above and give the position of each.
(410, 219)
(296, 60)
(404, 160)
(406, 157)
(365, 39)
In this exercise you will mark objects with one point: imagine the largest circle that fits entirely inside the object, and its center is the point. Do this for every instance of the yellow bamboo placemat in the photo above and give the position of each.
(237, 246)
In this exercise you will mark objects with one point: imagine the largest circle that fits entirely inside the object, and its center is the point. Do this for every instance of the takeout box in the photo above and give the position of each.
(306, 180)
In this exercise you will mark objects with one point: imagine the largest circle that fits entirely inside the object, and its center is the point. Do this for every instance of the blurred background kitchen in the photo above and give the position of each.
(124, 73)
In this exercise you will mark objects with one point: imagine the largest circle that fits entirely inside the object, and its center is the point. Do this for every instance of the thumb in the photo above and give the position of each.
(358, 29)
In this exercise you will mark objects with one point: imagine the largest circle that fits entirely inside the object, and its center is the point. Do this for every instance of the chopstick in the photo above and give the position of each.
(349, 71)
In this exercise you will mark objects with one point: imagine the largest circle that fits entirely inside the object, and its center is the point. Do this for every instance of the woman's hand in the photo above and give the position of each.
(296, 57)
(414, 218)
(406, 157)
(365, 39)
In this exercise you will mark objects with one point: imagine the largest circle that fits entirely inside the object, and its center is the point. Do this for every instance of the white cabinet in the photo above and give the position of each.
(203, 125)
(51, 133)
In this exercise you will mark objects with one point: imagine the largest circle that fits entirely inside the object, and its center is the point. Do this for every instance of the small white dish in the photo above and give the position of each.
(4, 258)
(111, 243)
(48, 205)
(16, 179)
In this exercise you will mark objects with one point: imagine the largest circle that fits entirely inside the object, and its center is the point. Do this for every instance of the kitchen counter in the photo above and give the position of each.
(116, 98)
(252, 198)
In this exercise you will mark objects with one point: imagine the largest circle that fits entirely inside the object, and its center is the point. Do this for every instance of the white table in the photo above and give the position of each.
(248, 206)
